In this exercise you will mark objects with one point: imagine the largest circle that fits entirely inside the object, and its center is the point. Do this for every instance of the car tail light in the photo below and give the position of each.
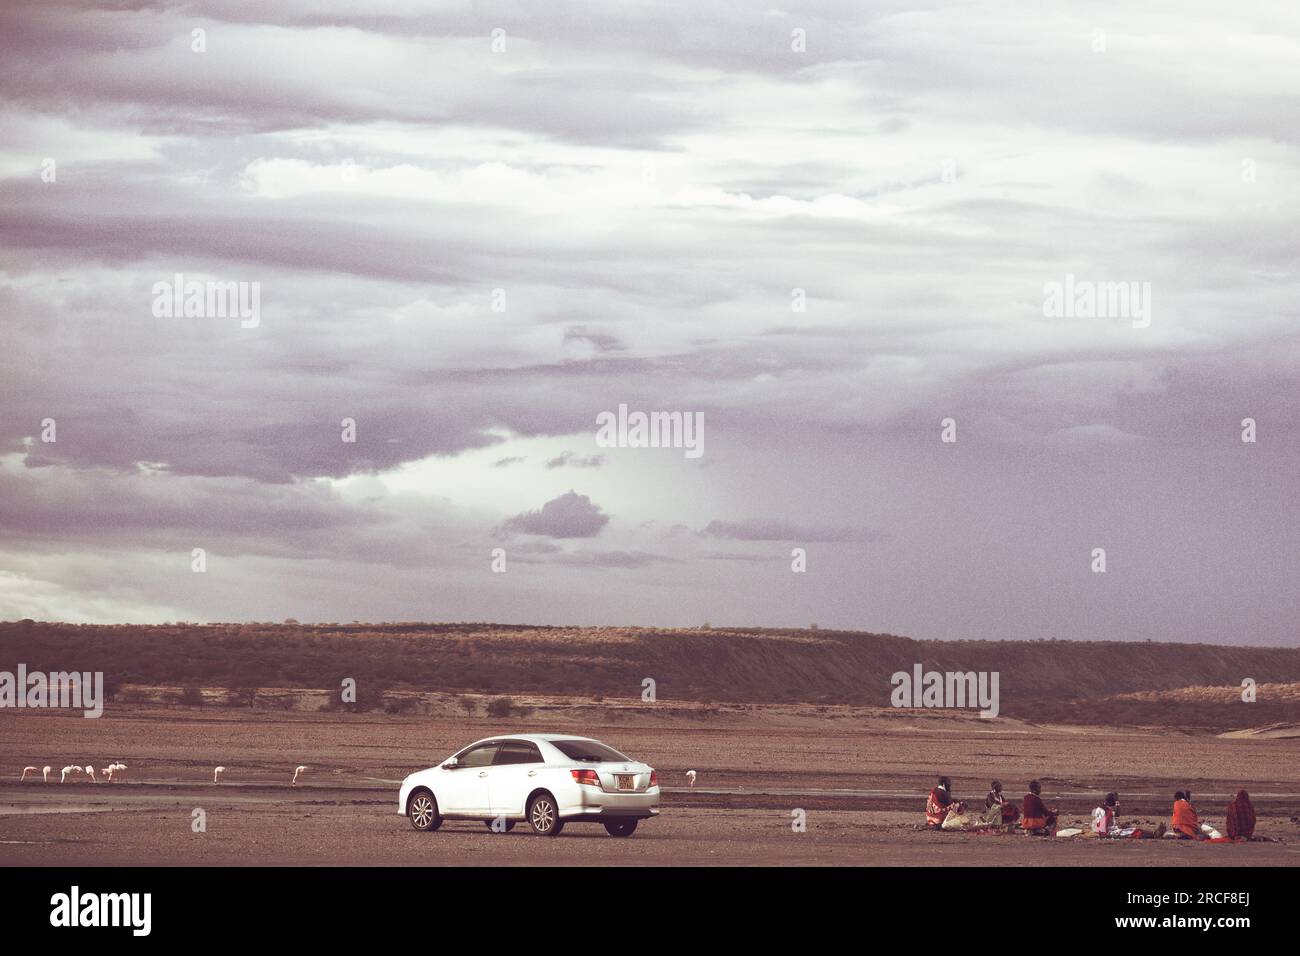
(654, 778)
(588, 778)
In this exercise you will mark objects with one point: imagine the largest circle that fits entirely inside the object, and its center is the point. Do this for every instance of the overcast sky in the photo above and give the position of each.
(473, 243)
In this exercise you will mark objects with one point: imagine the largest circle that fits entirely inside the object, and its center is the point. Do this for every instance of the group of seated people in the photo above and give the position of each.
(941, 807)
(1186, 825)
(1034, 817)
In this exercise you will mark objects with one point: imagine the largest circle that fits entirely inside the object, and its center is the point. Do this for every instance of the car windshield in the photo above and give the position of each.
(589, 751)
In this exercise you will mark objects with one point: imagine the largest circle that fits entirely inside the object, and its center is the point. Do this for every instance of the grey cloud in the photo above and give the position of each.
(254, 79)
(738, 556)
(571, 515)
(627, 560)
(568, 459)
(772, 170)
(52, 509)
(598, 341)
(768, 530)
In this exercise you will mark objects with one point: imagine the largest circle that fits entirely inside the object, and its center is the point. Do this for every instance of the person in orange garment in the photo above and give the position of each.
(1184, 821)
(1037, 817)
(940, 803)
(1241, 817)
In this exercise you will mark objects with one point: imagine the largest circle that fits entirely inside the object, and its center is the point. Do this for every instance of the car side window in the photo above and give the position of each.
(518, 751)
(478, 757)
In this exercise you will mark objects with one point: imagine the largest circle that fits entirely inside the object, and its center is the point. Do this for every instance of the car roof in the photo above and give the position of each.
(547, 738)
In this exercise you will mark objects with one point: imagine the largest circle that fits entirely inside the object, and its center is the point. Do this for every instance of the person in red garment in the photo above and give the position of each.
(940, 803)
(1241, 817)
(1184, 820)
(1036, 817)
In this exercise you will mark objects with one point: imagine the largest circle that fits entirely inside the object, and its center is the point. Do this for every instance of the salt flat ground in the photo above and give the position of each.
(859, 776)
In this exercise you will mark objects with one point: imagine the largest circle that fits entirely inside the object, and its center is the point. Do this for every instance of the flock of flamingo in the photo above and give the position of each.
(117, 771)
(110, 774)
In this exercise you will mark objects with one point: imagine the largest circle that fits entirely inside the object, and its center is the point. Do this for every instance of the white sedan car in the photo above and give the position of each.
(547, 779)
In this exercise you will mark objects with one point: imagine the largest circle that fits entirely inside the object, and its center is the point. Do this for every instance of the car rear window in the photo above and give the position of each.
(513, 751)
(588, 751)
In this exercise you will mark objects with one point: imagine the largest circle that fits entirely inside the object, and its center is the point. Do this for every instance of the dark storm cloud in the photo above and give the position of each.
(59, 504)
(646, 186)
(54, 509)
(571, 515)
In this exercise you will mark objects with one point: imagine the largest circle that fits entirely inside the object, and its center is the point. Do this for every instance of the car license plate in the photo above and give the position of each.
(626, 781)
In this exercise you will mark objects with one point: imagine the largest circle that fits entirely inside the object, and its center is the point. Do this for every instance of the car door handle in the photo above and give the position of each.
(482, 773)
(532, 773)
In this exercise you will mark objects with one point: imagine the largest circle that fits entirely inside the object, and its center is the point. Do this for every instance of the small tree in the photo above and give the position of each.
(244, 696)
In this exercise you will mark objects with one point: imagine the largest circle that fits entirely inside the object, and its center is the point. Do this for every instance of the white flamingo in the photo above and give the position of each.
(690, 779)
(26, 771)
(116, 770)
(216, 774)
(106, 773)
(298, 773)
(70, 771)
(90, 772)
(45, 772)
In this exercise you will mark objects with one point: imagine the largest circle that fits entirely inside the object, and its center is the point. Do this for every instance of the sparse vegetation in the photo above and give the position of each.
(244, 697)
(724, 665)
(400, 705)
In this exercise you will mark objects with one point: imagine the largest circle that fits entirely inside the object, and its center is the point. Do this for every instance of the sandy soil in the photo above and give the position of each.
(860, 777)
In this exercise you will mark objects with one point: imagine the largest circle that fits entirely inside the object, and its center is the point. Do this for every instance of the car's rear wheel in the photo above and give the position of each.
(505, 827)
(620, 828)
(422, 810)
(544, 815)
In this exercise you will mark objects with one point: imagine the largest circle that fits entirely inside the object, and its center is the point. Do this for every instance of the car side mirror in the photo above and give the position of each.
(450, 764)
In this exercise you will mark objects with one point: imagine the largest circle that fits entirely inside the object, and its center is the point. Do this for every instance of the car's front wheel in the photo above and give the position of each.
(544, 816)
(422, 810)
(620, 828)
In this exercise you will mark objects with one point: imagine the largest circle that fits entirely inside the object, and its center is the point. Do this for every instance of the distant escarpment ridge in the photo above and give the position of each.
(1069, 681)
